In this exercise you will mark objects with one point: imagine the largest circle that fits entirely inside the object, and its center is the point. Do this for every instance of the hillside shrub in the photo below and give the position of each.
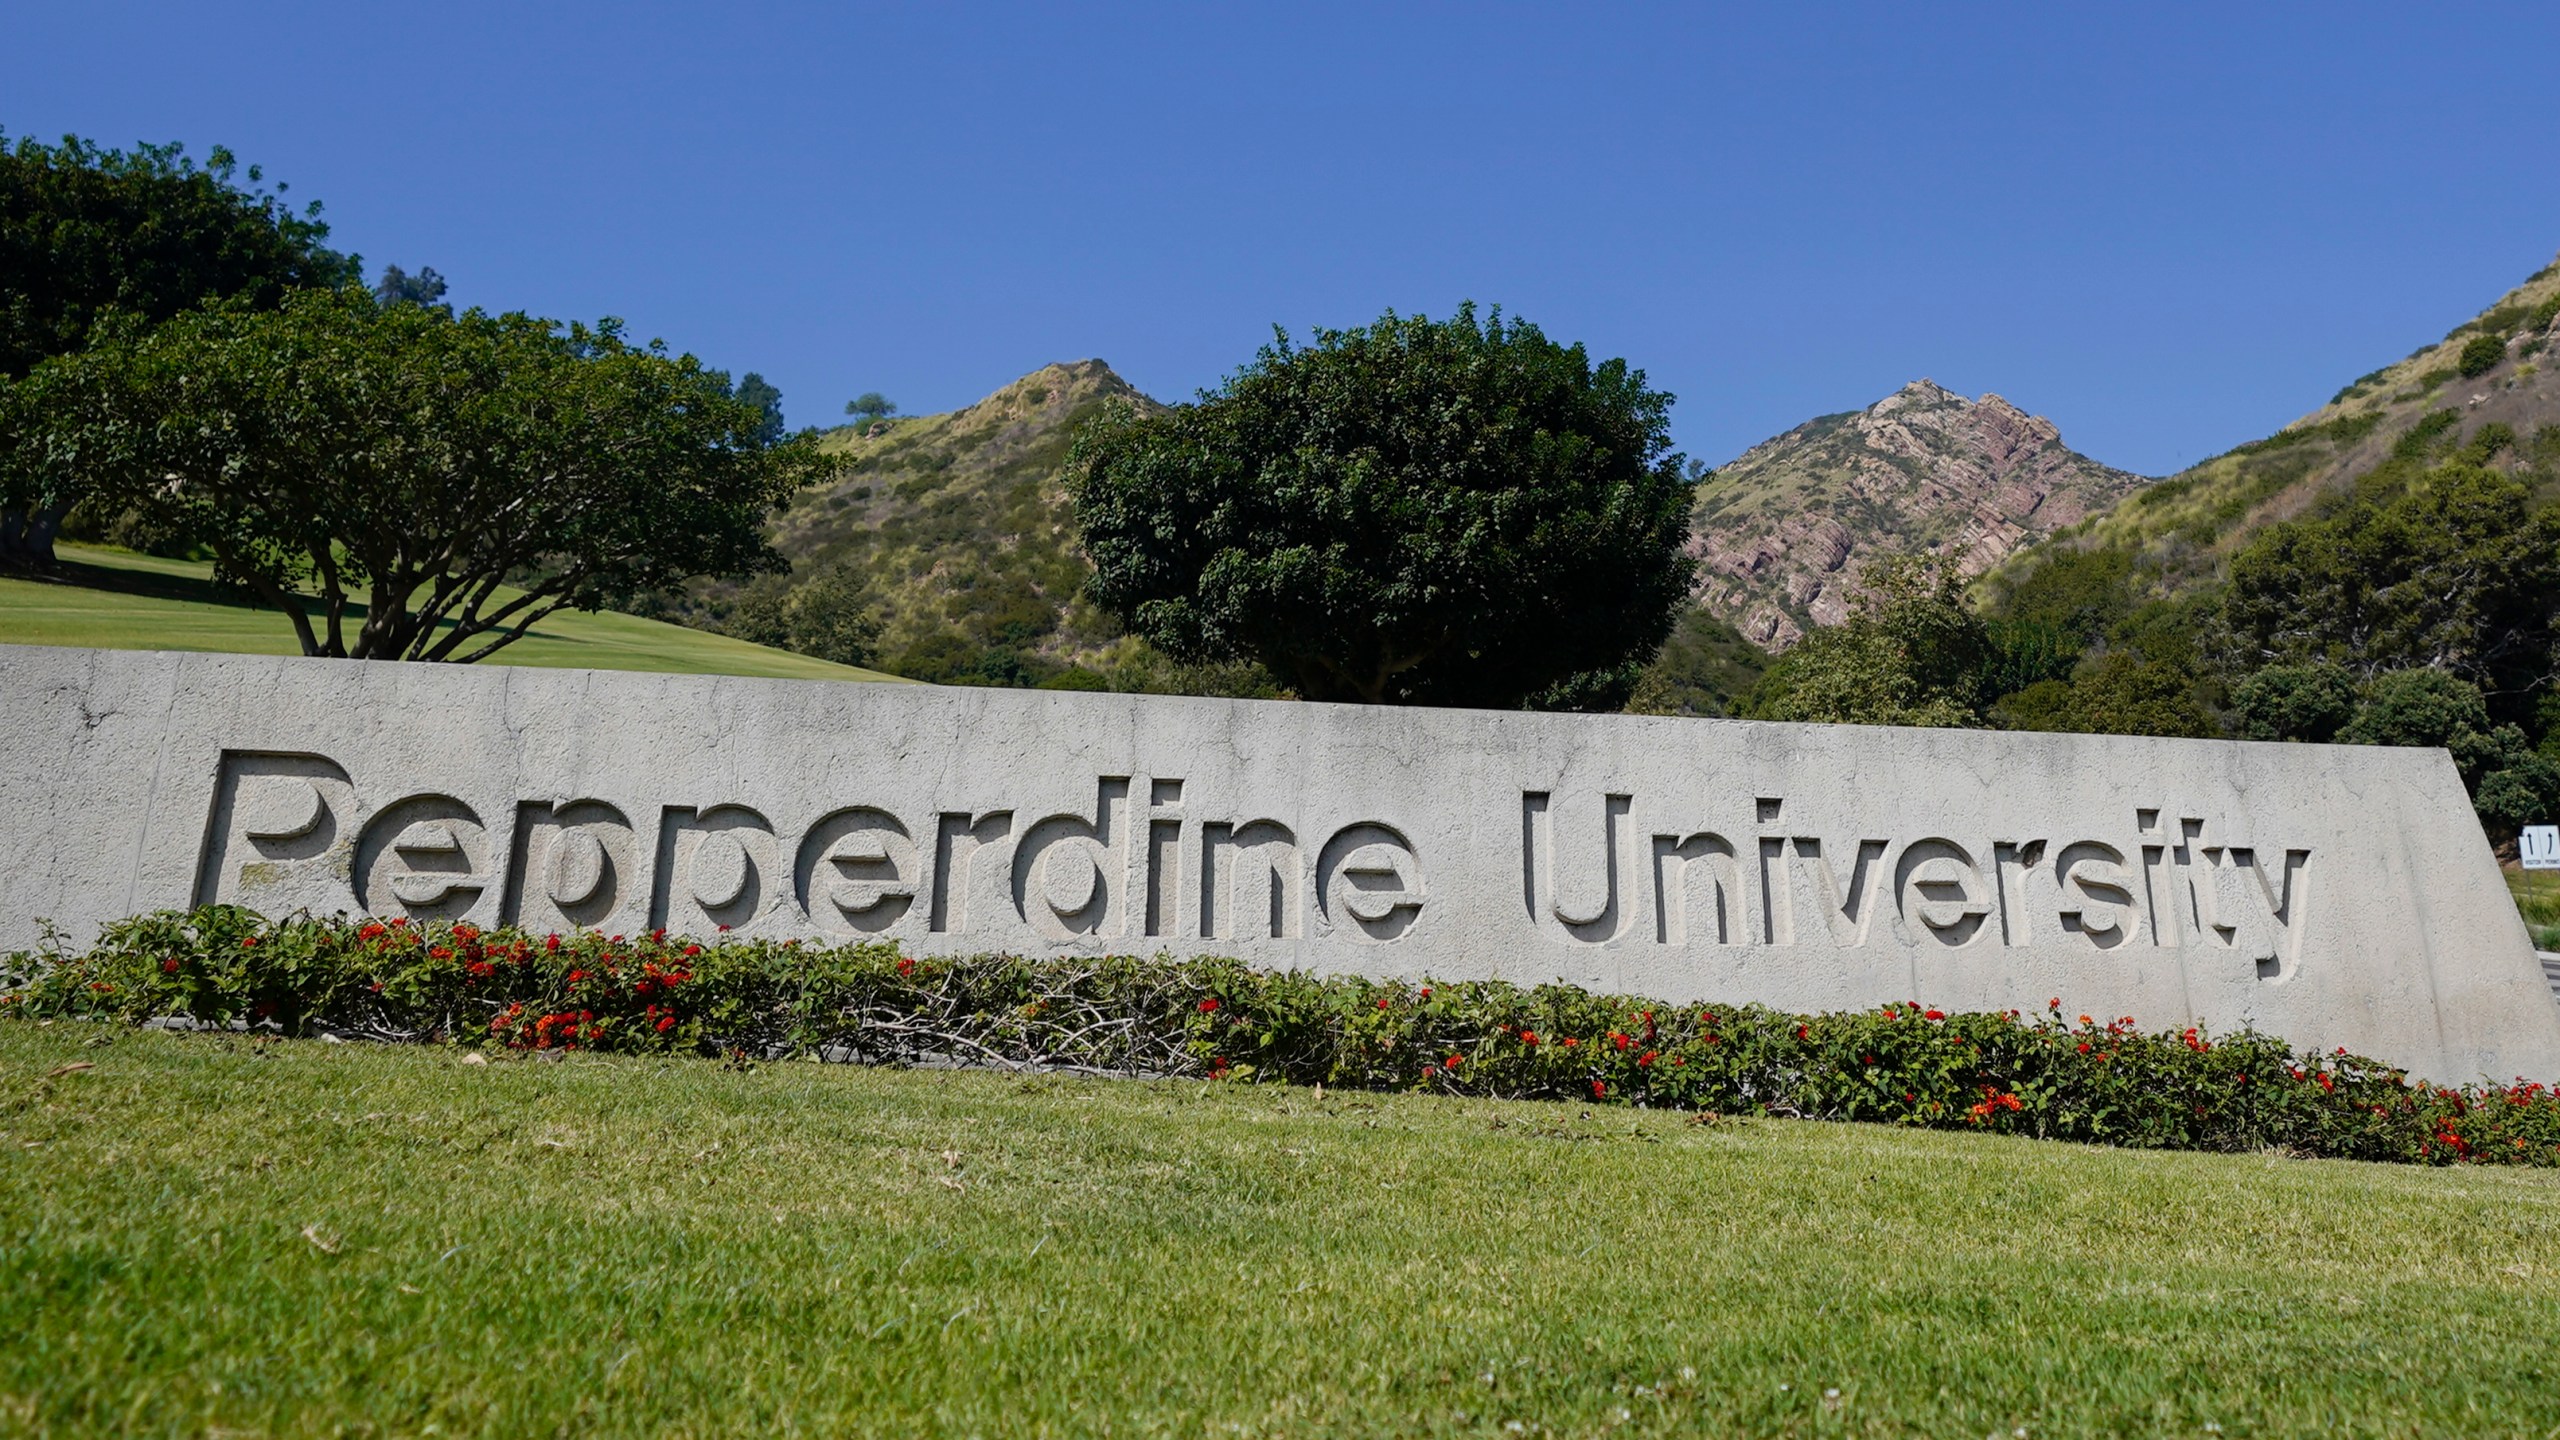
(2481, 354)
(2047, 1075)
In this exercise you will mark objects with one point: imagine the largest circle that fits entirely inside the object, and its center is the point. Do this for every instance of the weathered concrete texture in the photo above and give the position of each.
(2334, 895)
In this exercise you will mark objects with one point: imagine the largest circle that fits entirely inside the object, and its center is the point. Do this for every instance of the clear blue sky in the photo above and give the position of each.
(2169, 227)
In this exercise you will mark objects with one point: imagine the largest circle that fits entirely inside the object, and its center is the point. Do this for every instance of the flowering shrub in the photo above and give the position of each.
(2075, 1078)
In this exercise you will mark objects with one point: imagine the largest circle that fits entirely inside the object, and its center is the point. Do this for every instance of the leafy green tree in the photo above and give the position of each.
(2455, 571)
(1416, 512)
(870, 405)
(398, 287)
(2117, 692)
(1910, 653)
(829, 615)
(2294, 702)
(451, 480)
(753, 389)
(2510, 785)
(87, 233)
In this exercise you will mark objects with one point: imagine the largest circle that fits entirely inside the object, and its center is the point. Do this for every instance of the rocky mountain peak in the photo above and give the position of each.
(1784, 531)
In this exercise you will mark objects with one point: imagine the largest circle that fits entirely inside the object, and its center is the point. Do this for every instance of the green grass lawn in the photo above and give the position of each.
(119, 600)
(2537, 895)
(218, 1235)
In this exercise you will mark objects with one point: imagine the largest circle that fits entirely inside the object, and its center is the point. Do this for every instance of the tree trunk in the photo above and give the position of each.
(26, 536)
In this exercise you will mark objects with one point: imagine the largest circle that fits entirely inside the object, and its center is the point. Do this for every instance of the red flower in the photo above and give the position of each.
(1647, 1057)
(1529, 1037)
(577, 975)
(1803, 1033)
(1382, 1002)
(1937, 1015)
(248, 942)
(552, 944)
(2084, 1047)
(1453, 1062)
(1426, 992)
(1599, 1091)
(906, 966)
(169, 967)
(2054, 1004)
(666, 1023)
(1209, 1005)
(1617, 1039)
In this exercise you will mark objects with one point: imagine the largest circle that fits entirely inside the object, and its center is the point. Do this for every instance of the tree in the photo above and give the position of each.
(461, 477)
(2294, 702)
(1418, 512)
(2117, 692)
(753, 389)
(1910, 653)
(830, 615)
(2510, 785)
(2456, 571)
(870, 405)
(146, 233)
(396, 287)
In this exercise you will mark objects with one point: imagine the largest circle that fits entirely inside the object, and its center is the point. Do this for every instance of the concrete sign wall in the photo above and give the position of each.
(2334, 895)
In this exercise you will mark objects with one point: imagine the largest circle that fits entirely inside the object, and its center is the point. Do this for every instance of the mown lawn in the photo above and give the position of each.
(118, 600)
(2537, 895)
(225, 1235)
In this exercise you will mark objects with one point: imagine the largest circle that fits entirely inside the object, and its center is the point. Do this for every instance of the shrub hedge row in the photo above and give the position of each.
(2051, 1075)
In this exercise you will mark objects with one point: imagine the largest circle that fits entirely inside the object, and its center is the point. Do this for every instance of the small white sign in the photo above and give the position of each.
(2540, 847)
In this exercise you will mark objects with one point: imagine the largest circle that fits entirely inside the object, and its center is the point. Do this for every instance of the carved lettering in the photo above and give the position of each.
(2266, 915)
(575, 866)
(1700, 877)
(1249, 885)
(1936, 883)
(1150, 861)
(857, 871)
(1847, 910)
(2096, 893)
(1368, 882)
(425, 857)
(279, 835)
(1070, 873)
(1588, 909)
(957, 839)
(718, 869)
(1162, 859)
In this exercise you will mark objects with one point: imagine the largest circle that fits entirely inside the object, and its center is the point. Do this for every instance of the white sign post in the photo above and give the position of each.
(2540, 847)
